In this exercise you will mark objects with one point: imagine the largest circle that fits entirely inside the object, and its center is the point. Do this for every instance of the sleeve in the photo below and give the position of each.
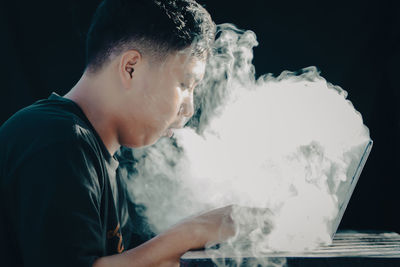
(59, 206)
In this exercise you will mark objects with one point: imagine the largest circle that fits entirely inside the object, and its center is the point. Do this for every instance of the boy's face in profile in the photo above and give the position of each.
(163, 96)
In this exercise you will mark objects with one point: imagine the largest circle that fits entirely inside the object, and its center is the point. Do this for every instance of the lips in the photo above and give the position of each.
(178, 125)
(168, 133)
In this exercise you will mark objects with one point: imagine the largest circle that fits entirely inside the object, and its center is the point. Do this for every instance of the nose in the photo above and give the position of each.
(188, 107)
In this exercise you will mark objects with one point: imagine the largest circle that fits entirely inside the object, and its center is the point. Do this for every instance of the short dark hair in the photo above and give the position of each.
(153, 27)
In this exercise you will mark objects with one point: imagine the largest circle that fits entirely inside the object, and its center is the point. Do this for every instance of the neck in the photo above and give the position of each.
(92, 96)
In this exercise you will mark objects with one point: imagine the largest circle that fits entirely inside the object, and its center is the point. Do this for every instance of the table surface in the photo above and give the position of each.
(349, 246)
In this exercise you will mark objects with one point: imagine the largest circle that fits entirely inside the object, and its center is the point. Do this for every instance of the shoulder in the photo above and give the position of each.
(57, 127)
(45, 120)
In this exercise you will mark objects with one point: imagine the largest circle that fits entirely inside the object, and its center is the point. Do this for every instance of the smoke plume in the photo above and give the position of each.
(285, 145)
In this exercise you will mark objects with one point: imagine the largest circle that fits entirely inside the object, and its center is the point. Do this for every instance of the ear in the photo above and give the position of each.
(128, 62)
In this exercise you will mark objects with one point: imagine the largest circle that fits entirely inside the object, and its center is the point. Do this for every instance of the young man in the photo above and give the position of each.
(60, 195)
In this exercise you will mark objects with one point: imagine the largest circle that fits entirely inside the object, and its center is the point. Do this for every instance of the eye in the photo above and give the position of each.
(184, 86)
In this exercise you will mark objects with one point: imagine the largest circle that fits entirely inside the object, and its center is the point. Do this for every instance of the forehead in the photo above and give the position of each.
(185, 65)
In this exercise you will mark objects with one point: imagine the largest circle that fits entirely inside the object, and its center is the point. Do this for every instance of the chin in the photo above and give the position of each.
(140, 142)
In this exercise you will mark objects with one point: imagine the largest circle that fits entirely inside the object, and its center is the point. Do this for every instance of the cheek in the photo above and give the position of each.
(172, 102)
(163, 107)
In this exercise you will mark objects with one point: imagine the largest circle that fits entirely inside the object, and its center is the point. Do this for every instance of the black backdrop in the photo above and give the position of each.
(355, 44)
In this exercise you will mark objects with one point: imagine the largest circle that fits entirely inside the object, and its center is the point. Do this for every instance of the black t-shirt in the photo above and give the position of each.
(61, 202)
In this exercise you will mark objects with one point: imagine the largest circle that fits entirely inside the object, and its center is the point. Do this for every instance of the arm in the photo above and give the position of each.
(59, 222)
(166, 248)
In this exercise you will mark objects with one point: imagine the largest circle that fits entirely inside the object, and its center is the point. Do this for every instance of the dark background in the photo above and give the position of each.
(355, 44)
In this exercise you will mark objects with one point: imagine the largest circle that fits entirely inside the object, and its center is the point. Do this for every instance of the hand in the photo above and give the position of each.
(211, 227)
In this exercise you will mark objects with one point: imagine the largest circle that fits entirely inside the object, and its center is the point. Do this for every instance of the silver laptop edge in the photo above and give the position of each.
(352, 186)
